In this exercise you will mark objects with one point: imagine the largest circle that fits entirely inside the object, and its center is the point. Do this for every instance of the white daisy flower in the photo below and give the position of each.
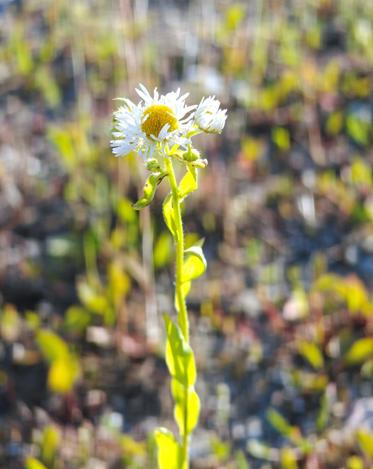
(155, 121)
(209, 117)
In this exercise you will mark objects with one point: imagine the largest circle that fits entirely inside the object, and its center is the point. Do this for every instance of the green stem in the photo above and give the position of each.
(179, 243)
(179, 297)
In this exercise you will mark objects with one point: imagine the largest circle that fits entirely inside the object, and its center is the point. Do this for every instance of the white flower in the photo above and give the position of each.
(155, 121)
(209, 117)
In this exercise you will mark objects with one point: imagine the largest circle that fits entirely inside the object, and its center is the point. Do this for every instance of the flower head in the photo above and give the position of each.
(160, 120)
(209, 117)
(155, 120)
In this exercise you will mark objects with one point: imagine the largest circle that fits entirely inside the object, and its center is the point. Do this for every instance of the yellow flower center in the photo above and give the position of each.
(155, 117)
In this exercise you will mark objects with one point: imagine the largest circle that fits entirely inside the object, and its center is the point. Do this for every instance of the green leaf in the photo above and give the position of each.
(354, 462)
(125, 210)
(189, 182)
(312, 353)
(93, 301)
(361, 350)
(168, 449)
(179, 356)
(358, 129)
(32, 463)
(220, 449)
(162, 250)
(64, 144)
(260, 450)
(63, 374)
(150, 187)
(52, 347)
(49, 443)
(323, 417)
(279, 422)
(365, 440)
(240, 461)
(168, 214)
(288, 458)
(195, 263)
(281, 137)
(185, 397)
(76, 319)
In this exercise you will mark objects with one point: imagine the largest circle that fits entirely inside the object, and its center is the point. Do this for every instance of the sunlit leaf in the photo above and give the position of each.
(185, 398)
(131, 447)
(240, 461)
(334, 123)
(220, 449)
(45, 81)
(168, 214)
(49, 443)
(312, 353)
(279, 423)
(10, 323)
(125, 210)
(76, 319)
(281, 137)
(32, 463)
(288, 459)
(365, 439)
(168, 449)
(358, 129)
(52, 347)
(234, 15)
(360, 351)
(92, 300)
(150, 187)
(119, 282)
(261, 450)
(162, 250)
(195, 263)
(179, 355)
(62, 375)
(189, 182)
(322, 418)
(64, 143)
(354, 462)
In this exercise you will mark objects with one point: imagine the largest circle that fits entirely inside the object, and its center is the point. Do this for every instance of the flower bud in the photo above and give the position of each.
(191, 155)
(153, 165)
(209, 117)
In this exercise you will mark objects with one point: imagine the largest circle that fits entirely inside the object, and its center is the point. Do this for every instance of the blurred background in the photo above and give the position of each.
(282, 320)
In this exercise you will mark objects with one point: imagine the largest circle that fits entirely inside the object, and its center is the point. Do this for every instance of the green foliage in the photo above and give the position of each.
(281, 138)
(32, 463)
(240, 461)
(312, 353)
(168, 449)
(51, 346)
(292, 433)
(195, 263)
(220, 449)
(360, 351)
(64, 367)
(168, 214)
(189, 182)
(182, 368)
(150, 187)
(49, 444)
(162, 250)
(288, 459)
(365, 439)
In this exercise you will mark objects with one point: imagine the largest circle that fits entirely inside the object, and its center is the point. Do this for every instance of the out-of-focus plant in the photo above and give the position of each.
(160, 128)
(63, 365)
